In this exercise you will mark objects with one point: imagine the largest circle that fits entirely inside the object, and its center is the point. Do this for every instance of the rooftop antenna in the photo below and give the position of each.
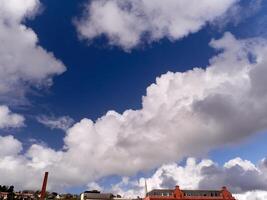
(145, 188)
(43, 191)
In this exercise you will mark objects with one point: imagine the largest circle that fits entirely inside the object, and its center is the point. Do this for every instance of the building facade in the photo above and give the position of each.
(96, 195)
(3, 195)
(177, 194)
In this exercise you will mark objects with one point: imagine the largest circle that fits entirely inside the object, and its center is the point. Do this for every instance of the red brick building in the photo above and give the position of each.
(177, 194)
(3, 195)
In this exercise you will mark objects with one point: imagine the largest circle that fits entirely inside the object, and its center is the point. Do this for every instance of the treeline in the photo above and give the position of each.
(12, 195)
(5, 188)
(9, 190)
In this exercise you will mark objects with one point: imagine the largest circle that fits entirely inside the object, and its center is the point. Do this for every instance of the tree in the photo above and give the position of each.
(11, 189)
(11, 193)
(36, 194)
(4, 188)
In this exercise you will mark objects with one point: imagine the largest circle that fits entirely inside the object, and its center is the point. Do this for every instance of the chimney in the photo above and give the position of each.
(43, 191)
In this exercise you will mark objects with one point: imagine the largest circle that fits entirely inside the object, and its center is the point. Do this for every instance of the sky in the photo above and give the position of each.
(105, 94)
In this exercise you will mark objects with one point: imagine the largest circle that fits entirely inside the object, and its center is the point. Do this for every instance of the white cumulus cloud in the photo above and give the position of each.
(252, 195)
(9, 146)
(23, 63)
(194, 173)
(183, 114)
(9, 119)
(126, 23)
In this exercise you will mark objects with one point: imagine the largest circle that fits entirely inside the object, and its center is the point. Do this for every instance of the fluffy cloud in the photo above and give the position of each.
(183, 114)
(126, 22)
(240, 175)
(9, 119)
(94, 186)
(9, 146)
(166, 176)
(14, 168)
(235, 174)
(23, 63)
(252, 195)
(62, 123)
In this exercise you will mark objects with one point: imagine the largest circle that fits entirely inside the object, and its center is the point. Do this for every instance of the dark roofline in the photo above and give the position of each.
(201, 190)
(161, 190)
(185, 190)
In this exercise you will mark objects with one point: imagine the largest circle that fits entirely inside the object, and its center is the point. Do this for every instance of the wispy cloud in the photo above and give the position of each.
(238, 13)
(63, 122)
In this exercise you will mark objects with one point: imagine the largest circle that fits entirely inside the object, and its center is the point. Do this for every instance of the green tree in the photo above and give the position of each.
(11, 193)
(4, 188)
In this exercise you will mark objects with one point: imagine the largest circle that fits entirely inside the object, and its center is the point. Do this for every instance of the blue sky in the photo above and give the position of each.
(103, 74)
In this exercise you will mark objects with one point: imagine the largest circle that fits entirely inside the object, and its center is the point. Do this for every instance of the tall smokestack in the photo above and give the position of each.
(44, 186)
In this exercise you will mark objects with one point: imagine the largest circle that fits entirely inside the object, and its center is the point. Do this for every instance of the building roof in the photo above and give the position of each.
(192, 192)
(98, 195)
(201, 192)
(156, 192)
(177, 193)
